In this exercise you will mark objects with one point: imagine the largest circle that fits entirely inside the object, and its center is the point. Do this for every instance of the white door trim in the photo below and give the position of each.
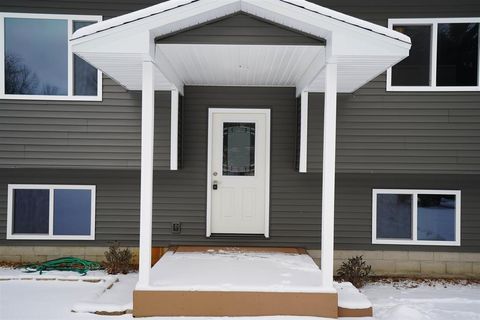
(266, 112)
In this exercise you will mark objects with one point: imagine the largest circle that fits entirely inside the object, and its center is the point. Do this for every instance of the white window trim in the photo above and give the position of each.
(70, 95)
(414, 241)
(50, 235)
(433, 55)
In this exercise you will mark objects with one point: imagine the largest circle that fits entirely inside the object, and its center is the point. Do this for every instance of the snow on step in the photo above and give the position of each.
(236, 271)
(350, 298)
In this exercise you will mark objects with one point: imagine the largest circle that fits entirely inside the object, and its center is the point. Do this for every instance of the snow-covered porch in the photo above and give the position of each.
(349, 53)
(229, 281)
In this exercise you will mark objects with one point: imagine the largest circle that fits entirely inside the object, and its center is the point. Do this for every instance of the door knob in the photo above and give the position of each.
(215, 185)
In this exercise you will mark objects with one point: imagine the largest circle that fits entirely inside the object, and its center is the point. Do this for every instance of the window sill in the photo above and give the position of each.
(431, 89)
(417, 243)
(50, 98)
(47, 237)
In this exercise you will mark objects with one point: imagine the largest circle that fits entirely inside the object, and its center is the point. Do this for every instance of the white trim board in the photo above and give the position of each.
(414, 240)
(50, 235)
(433, 23)
(302, 166)
(267, 113)
(174, 101)
(70, 64)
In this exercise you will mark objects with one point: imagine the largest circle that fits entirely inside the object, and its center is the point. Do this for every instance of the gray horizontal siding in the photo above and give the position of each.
(66, 134)
(377, 131)
(402, 132)
(241, 29)
(181, 195)
(295, 206)
(353, 209)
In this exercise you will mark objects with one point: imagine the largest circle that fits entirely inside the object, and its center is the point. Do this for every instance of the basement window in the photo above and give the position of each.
(416, 217)
(62, 212)
(36, 60)
(444, 55)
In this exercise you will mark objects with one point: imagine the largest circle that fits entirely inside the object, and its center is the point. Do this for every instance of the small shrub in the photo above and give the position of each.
(117, 260)
(355, 270)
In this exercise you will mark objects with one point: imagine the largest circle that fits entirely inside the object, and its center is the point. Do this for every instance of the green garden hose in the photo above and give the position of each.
(64, 264)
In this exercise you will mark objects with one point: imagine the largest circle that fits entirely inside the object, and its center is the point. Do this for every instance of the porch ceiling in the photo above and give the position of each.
(240, 65)
(118, 47)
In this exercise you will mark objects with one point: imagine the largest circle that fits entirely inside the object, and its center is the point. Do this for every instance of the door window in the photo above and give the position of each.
(238, 149)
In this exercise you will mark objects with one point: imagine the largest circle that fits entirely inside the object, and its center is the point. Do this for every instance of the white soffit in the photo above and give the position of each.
(240, 65)
(361, 49)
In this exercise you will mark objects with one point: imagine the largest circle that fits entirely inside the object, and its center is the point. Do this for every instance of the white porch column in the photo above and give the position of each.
(146, 183)
(328, 185)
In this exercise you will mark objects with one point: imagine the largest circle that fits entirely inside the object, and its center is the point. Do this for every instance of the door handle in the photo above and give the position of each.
(215, 185)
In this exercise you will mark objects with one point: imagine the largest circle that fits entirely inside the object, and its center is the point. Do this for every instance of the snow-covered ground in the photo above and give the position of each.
(432, 300)
(54, 299)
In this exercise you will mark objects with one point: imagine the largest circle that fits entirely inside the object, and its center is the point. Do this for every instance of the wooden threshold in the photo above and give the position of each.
(238, 249)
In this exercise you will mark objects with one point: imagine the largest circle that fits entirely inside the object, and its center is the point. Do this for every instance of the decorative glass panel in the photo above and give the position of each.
(394, 216)
(415, 69)
(238, 149)
(85, 76)
(36, 56)
(457, 54)
(72, 212)
(31, 211)
(436, 217)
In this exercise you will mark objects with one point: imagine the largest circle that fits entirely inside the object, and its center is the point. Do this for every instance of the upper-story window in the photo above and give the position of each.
(36, 60)
(444, 55)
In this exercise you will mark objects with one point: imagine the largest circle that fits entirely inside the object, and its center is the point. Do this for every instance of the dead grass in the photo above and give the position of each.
(414, 282)
(13, 265)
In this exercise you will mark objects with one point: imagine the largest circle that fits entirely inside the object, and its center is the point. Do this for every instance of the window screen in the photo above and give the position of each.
(72, 212)
(436, 217)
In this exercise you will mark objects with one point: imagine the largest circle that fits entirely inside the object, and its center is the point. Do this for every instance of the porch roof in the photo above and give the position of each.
(361, 50)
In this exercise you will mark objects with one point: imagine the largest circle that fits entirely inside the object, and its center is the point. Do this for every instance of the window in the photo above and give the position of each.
(36, 60)
(51, 212)
(444, 55)
(416, 217)
(238, 149)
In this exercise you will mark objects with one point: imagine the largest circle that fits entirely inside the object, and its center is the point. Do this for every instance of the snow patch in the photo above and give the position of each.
(404, 312)
(350, 298)
(118, 298)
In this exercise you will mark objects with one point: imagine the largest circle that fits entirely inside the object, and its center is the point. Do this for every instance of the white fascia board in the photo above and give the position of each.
(341, 17)
(162, 23)
(345, 37)
(129, 17)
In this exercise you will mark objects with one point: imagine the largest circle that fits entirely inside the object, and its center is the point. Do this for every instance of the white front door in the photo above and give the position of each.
(239, 171)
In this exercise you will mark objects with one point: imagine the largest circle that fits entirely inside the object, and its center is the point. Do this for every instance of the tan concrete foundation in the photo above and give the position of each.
(384, 263)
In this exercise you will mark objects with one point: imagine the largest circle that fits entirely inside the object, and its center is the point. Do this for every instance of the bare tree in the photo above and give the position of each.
(49, 90)
(19, 79)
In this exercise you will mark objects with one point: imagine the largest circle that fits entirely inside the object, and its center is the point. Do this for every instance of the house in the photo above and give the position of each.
(272, 123)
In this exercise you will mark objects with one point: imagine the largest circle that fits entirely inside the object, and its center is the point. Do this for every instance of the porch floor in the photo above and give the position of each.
(201, 281)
